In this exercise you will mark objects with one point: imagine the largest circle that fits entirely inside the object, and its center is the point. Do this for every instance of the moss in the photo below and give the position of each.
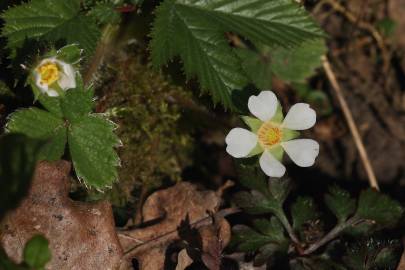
(142, 103)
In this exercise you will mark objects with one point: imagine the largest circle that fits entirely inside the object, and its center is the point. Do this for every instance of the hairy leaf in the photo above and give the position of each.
(256, 203)
(52, 21)
(248, 239)
(195, 30)
(76, 104)
(91, 142)
(302, 211)
(39, 124)
(340, 203)
(378, 208)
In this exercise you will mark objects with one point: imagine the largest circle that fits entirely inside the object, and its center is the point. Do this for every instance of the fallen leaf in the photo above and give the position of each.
(81, 235)
(183, 260)
(168, 208)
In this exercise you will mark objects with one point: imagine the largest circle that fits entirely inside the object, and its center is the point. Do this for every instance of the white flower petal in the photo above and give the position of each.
(302, 151)
(300, 117)
(271, 166)
(263, 106)
(67, 79)
(42, 87)
(240, 142)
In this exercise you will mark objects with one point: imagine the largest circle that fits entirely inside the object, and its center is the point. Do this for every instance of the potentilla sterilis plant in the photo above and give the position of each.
(53, 76)
(271, 134)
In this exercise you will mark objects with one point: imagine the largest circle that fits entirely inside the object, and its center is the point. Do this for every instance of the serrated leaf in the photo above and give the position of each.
(194, 29)
(77, 103)
(303, 210)
(251, 176)
(37, 252)
(91, 142)
(272, 228)
(18, 158)
(340, 203)
(256, 203)
(52, 21)
(378, 208)
(39, 124)
(248, 239)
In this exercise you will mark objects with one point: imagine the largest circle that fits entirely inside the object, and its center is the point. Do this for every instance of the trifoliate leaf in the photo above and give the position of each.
(297, 64)
(340, 203)
(378, 208)
(91, 142)
(303, 210)
(52, 21)
(76, 104)
(195, 30)
(17, 163)
(39, 124)
(37, 252)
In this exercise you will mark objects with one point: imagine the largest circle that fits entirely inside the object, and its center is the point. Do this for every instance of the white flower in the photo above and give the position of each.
(271, 135)
(53, 76)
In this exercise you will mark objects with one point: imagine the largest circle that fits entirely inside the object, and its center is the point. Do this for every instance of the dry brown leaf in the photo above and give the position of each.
(81, 235)
(183, 260)
(170, 206)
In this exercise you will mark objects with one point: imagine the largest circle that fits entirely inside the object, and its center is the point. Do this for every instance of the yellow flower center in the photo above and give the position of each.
(269, 134)
(49, 73)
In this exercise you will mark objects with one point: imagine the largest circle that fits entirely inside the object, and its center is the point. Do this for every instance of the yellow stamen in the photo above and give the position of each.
(269, 134)
(49, 73)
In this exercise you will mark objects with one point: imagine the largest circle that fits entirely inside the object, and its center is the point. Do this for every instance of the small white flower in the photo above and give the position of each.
(53, 76)
(271, 135)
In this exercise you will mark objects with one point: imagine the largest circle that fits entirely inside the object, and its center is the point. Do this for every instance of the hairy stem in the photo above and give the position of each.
(283, 219)
(331, 235)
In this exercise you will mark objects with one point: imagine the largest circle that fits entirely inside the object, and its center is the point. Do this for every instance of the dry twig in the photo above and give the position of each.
(350, 121)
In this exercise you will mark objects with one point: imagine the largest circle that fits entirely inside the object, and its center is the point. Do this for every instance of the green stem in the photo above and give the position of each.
(283, 219)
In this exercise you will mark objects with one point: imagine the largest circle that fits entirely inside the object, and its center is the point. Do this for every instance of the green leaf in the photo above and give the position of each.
(303, 210)
(195, 30)
(297, 64)
(272, 228)
(76, 104)
(248, 239)
(37, 252)
(18, 157)
(378, 208)
(257, 67)
(256, 203)
(340, 203)
(280, 188)
(51, 21)
(39, 124)
(91, 143)
(251, 176)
